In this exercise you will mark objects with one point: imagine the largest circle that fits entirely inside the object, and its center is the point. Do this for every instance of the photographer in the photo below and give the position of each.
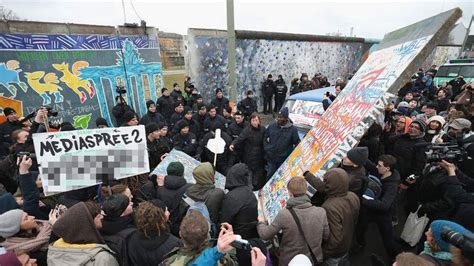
(7, 128)
(456, 84)
(439, 191)
(119, 110)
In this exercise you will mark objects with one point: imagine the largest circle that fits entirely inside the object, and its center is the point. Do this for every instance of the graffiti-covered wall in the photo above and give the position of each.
(256, 58)
(77, 75)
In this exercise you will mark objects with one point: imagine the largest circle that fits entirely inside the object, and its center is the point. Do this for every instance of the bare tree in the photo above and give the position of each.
(7, 14)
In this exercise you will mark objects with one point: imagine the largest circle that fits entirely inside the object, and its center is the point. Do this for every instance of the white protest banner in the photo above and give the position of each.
(189, 164)
(358, 105)
(76, 159)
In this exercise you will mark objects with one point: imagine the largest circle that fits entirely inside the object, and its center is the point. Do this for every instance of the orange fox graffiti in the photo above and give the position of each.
(73, 81)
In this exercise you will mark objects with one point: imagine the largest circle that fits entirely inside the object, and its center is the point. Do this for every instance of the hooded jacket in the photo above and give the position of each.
(171, 193)
(280, 141)
(205, 191)
(144, 250)
(342, 210)
(239, 207)
(84, 248)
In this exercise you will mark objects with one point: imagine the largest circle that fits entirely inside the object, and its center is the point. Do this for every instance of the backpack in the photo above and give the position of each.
(118, 244)
(374, 188)
(188, 205)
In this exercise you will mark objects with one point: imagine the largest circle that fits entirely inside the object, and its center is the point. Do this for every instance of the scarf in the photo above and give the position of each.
(26, 244)
(441, 255)
(296, 201)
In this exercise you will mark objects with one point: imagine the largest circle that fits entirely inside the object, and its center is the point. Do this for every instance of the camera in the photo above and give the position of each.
(461, 241)
(240, 243)
(51, 112)
(412, 177)
(27, 154)
(121, 90)
(450, 152)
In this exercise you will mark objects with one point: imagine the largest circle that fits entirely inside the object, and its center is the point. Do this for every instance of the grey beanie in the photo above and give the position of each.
(10, 223)
(358, 155)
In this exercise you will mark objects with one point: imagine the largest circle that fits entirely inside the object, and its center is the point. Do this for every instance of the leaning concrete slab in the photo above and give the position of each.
(359, 105)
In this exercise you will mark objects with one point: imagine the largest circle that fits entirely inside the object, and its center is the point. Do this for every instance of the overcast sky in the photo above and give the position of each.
(370, 19)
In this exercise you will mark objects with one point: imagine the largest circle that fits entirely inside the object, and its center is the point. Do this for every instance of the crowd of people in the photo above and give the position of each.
(404, 165)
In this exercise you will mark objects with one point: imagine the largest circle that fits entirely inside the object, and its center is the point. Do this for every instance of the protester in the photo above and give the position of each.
(129, 119)
(304, 227)
(88, 246)
(152, 241)
(342, 210)
(6, 129)
(281, 137)
(353, 163)
(101, 123)
(251, 142)
(239, 207)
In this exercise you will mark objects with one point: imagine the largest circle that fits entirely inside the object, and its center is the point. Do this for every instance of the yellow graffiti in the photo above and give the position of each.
(49, 85)
(74, 82)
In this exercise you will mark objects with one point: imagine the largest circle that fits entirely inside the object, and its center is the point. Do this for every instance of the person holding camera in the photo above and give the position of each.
(6, 130)
(456, 85)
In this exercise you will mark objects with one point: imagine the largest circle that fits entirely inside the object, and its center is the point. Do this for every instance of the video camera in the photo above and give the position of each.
(240, 243)
(450, 152)
(20, 155)
(461, 241)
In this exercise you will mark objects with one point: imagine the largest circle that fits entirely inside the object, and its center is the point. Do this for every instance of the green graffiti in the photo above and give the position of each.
(82, 121)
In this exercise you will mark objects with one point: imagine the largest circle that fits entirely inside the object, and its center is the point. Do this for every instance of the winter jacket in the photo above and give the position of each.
(213, 123)
(410, 160)
(86, 248)
(31, 196)
(177, 96)
(358, 180)
(440, 194)
(151, 117)
(251, 142)
(220, 104)
(186, 143)
(116, 233)
(235, 129)
(118, 111)
(239, 207)
(313, 222)
(175, 117)
(6, 130)
(280, 141)
(205, 191)
(143, 250)
(171, 194)
(384, 203)
(165, 105)
(280, 88)
(342, 210)
(111, 226)
(200, 119)
(268, 88)
(247, 106)
(156, 149)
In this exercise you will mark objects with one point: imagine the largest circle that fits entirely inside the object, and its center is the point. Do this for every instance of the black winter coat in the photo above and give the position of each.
(156, 149)
(409, 160)
(150, 251)
(118, 111)
(247, 106)
(235, 129)
(440, 194)
(239, 207)
(220, 104)
(6, 130)
(177, 96)
(171, 194)
(194, 127)
(111, 226)
(165, 106)
(151, 117)
(186, 143)
(213, 123)
(280, 88)
(268, 88)
(280, 141)
(384, 203)
(251, 142)
(208, 156)
(175, 117)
